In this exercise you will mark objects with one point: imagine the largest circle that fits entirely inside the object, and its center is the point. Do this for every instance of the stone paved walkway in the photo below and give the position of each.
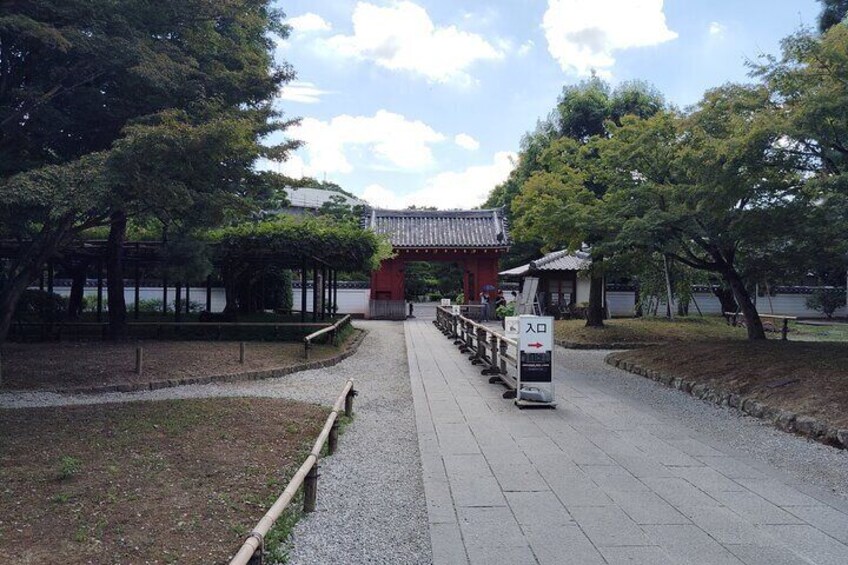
(599, 480)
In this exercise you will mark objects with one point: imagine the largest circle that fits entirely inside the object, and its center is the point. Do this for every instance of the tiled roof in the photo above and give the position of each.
(562, 261)
(440, 228)
(557, 261)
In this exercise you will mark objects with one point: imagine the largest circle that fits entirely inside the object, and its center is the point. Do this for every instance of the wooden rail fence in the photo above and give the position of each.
(332, 330)
(496, 352)
(252, 550)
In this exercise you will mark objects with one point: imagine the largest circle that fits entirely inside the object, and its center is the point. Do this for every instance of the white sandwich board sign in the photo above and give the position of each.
(535, 361)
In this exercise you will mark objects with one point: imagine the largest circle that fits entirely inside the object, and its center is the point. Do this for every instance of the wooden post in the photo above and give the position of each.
(493, 363)
(323, 292)
(164, 296)
(137, 295)
(333, 440)
(209, 293)
(503, 348)
(784, 330)
(349, 403)
(188, 299)
(310, 489)
(241, 352)
(314, 293)
(50, 273)
(335, 292)
(139, 359)
(178, 300)
(303, 293)
(99, 290)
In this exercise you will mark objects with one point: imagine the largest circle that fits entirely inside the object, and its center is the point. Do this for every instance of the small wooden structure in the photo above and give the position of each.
(563, 281)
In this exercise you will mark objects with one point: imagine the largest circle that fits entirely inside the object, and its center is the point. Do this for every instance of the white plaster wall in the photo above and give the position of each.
(351, 300)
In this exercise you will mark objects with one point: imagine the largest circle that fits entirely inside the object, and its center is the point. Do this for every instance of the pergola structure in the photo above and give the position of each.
(474, 239)
(139, 255)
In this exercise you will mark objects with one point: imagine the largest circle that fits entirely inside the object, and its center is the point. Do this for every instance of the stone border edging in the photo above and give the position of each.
(352, 348)
(597, 346)
(785, 420)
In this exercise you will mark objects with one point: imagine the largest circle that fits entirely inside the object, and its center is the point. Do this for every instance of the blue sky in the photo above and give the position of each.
(424, 102)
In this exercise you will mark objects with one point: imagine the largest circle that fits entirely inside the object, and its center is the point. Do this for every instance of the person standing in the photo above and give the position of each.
(484, 307)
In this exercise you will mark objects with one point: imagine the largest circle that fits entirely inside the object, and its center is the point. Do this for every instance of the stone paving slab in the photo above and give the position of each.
(602, 479)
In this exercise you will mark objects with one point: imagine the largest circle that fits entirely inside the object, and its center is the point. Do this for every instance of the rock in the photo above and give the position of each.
(785, 420)
(842, 437)
(753, 408)
(734, 400)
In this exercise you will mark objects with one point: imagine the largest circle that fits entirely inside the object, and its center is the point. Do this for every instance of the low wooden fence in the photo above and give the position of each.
(332, 330)
(387, 310)
(160, 329)
(496, 352)
(251, 551)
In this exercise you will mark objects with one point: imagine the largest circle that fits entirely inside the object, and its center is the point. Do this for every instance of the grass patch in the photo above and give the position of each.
(146, 482)
(640, 331)
(804, 377)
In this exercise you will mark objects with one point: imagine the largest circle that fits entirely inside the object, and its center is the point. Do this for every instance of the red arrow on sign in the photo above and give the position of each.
(536, 345)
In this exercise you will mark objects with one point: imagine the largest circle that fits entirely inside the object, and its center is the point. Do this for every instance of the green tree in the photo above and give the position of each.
(710, 190)
(559, 203)
(149, 83)
(833, 12)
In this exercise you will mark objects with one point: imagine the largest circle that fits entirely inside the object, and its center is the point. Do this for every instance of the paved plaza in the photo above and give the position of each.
(601, 479)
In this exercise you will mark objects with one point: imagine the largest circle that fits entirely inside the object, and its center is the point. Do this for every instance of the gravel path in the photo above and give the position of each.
(371, 507)
(804, 462)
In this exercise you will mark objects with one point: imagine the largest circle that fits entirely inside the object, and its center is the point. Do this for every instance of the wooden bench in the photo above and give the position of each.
(734, 319)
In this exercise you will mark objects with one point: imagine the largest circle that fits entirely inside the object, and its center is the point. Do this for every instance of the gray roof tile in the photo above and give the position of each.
(440, 228)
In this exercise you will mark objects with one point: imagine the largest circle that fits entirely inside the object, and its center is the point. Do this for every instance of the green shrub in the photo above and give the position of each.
(40, 305)
(153, 305)
(826, 300)
(69, 467)
(506, 310)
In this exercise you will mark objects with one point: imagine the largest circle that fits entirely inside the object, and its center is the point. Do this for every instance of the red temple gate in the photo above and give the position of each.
(473, 239)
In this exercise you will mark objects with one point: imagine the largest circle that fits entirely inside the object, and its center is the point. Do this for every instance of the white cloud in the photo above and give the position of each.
(309, 22)
(526, 47)
(381, 197)
(383, 141)
(584, 34)
(466, 142)
(717, 29)
(402, 37)
(303, 92)
(455, 189)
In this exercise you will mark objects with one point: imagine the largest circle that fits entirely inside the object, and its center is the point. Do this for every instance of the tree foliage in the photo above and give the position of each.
(170, 98)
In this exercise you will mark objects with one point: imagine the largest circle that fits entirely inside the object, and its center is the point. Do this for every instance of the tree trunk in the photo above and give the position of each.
(752, 318)
(115, 276)
(669, 306)
(49, 241)
(725, 297)
(595, 313)
(75, 300)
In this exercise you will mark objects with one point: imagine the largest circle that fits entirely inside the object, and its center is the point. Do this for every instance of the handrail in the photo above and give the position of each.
(487, 345)
(307, 341)
(255, 539)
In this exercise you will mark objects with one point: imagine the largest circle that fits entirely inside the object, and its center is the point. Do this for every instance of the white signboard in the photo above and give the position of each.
(536, 333)
(535, 360)
(456, 310)
(446, 302)
(511, 327)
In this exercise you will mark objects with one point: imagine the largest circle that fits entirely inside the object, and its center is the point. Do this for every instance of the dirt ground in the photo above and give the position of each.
(29, 366)
(806, 377)
(146, 482)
